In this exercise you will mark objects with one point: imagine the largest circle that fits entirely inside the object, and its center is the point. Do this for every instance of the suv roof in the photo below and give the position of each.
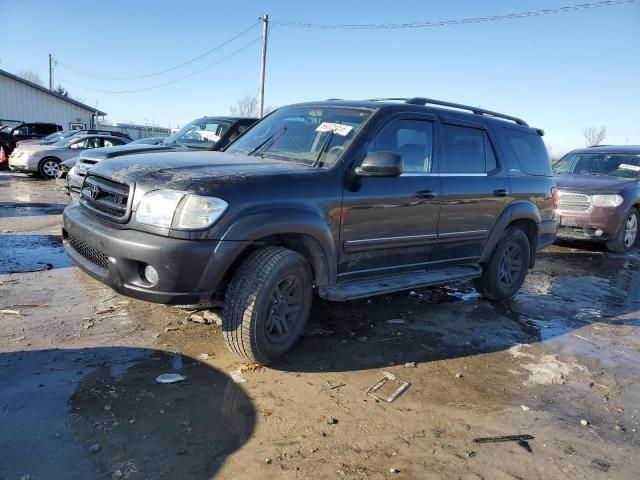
(436, 106)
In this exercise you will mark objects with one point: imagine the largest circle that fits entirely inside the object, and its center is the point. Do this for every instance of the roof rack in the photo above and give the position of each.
(430, 101)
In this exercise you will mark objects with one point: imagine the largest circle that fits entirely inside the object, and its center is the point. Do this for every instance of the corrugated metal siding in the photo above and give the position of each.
(22, 102)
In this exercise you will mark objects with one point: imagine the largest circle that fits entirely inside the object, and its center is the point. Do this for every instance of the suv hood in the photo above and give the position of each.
(590, 183)
(203, 171)
(110, 152)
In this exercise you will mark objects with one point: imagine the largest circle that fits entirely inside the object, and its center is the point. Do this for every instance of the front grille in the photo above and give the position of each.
(93, 255)
(573, 202)
(106, 198)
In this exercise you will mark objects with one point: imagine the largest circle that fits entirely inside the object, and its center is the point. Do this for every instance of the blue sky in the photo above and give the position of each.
(559, 72)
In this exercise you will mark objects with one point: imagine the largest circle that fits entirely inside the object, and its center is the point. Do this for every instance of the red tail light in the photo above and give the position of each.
(554, 197)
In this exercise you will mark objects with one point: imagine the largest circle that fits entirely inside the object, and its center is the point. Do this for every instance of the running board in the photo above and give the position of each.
(396, 283)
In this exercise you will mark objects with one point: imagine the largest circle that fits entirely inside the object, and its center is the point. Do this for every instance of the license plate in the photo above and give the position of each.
(568, 222)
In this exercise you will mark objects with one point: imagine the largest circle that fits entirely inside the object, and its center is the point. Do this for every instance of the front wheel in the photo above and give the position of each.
(505, 272)
(267, 304)
(49, 167)
(627, 236)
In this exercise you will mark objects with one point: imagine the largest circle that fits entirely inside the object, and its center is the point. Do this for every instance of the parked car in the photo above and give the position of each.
(599, 195)
(45, 159)
(149, 141)
(207, 133)
(24, 131)
(348, 198)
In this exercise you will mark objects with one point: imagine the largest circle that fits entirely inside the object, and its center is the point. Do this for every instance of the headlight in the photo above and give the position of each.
(606, 200)
(197, 212)
(170, 209)
(157, 207)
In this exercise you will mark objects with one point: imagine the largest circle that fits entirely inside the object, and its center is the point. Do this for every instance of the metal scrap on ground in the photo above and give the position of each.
(375, 390)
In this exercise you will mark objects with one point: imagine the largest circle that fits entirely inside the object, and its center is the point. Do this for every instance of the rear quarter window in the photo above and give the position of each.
(524, 151)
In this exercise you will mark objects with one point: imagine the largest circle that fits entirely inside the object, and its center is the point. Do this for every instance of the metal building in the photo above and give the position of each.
(25, 101)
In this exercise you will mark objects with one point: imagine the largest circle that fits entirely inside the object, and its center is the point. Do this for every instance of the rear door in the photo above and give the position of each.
(389, 224)
(475, 190)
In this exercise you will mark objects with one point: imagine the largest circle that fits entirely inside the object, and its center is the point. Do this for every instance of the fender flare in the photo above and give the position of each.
(518, 210)
(266, 223)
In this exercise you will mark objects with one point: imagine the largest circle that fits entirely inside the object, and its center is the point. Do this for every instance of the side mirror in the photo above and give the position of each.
(381, 164)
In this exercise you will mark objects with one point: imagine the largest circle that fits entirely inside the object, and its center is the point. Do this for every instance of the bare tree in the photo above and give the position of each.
(247, 106)
(554, 154)
(31, 76)
(61, 91)
(594, 135)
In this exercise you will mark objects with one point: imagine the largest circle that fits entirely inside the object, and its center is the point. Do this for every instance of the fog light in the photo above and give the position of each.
(599, 232)
(151, 274)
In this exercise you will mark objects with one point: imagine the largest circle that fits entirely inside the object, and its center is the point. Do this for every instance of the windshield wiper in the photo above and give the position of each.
(322, 149)
(270, 141)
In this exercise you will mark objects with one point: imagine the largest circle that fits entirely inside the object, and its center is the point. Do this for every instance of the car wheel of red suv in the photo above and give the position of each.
(627, 237)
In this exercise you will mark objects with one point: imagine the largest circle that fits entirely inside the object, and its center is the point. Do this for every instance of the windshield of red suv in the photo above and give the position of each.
(614, 164)
(311, 135)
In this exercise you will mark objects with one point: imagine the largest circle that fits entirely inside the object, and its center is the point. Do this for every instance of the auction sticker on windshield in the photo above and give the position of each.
(338, 128)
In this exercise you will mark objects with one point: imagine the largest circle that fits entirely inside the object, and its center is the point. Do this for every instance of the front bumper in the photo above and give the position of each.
(21, 162)
(189, 271)
(599, 224)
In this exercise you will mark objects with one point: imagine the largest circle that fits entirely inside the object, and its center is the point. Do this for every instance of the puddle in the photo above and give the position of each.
(99, 413)
(21, 253)
(11, 209)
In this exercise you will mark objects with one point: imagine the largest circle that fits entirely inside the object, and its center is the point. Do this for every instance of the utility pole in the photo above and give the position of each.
(50, 73)
(263, 64)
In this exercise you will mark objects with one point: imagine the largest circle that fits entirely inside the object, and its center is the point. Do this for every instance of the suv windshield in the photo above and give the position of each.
(202, 133)
(310, 135)
(615, 164)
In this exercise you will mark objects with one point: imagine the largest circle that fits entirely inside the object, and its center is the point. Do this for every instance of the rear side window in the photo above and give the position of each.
(466, 150)
(525, 152)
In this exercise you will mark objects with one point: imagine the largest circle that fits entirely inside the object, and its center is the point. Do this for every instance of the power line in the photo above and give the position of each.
(134, 77)
(232, 54)
(444, 23)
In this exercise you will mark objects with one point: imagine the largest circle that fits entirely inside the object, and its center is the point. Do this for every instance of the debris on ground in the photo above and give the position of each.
(267, 461)
(410, 364)
(333, 386)
(87, 323)
(601, 465)
(212, 317)
(104, 310)
(584, 422)
(196, 318)
(396, 321)
(171, 329)
(331, 421)
(205, 356)
(248, 367)
(504, 438)
(95, 448)
(318, 332)
(380, 390)
(459, 375)
(525, 408)
(237, 376)
(394, 470)
(170, 378)
(10, 312)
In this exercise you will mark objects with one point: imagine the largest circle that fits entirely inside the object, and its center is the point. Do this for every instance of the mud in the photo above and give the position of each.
(565, 351)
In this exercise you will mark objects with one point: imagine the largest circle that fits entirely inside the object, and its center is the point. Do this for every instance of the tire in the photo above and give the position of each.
(505, 272)
(255, 326)
(627, 236)
(48, 167)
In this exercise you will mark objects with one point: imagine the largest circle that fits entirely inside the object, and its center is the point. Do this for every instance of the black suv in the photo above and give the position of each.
(346, 198)
(25, 131)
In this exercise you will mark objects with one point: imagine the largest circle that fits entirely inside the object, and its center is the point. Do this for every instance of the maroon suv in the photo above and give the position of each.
(599, 195)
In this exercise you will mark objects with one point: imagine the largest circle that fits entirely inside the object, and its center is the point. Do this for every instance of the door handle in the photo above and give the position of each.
(426, 194)
(500, 193)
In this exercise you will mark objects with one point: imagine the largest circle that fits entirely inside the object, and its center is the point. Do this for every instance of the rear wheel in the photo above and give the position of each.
(627, 236)
(505, 272)
(49, 167)
(267, 304)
